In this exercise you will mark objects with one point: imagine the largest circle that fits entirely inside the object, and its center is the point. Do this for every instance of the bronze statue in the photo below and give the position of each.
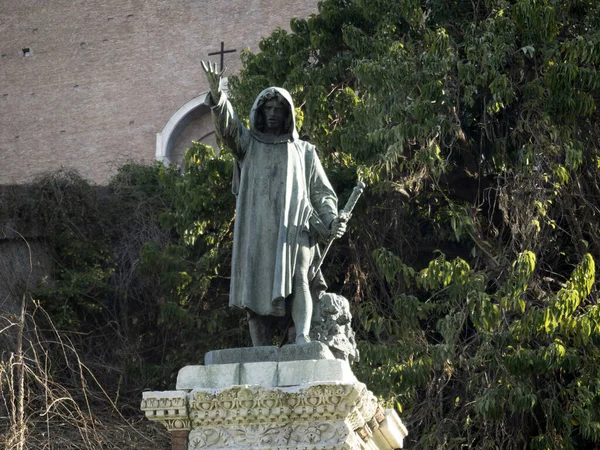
(283, 200)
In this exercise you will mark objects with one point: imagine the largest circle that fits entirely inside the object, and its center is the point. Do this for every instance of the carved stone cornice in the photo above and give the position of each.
(258, 405)
(170, 408)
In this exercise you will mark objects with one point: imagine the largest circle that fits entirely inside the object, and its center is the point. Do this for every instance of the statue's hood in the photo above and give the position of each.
(291, 133)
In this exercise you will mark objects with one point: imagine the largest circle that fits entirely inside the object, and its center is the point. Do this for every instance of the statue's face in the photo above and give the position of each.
(274, 112)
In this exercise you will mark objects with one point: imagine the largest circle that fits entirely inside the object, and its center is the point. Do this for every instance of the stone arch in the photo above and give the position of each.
(190, 122)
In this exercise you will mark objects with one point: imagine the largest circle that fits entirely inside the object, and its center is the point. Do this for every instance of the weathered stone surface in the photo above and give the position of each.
(309, 416)
(310, 435)
(169, 408)
(214, 377)
(242, 355)
(265, 374)
(331, 325)
(311, 350)
(293, 373)
(393, 429)
(302, 352)
(259, 374)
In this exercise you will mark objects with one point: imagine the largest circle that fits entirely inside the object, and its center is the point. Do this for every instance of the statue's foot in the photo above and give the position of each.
(302, 339)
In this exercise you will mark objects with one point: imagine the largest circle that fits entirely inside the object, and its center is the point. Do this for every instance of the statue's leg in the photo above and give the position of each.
(261, 329)
(302, 301)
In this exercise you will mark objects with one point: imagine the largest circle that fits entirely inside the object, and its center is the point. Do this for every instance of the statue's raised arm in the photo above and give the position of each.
(228, 127)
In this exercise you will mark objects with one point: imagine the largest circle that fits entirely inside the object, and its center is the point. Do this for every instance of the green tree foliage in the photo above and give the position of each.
(95, 293)
(187, 267)
(140, 274)
(75, 225)
(471, 262)
(192, 268)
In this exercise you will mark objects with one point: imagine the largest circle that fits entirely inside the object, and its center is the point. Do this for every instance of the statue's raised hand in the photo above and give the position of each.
(214, 78)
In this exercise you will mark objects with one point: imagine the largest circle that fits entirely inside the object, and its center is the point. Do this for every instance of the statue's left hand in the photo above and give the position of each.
(339, 225)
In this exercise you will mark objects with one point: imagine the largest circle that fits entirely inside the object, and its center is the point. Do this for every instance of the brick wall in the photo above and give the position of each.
(104, 76)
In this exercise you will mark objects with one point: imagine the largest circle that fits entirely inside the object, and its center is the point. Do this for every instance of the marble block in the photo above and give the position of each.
(217, 376)
(294, 373)
(303, 352)
(259, 374)
(265, 374)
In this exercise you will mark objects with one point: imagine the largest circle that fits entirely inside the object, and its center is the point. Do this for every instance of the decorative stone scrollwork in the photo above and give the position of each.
(176, 424)
(169, 408)
(256, 405)
(311, 416)
(267, 437)
(365, 408)
(164, 403)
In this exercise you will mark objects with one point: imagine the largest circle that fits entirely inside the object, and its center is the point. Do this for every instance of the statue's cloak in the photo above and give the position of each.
(281, 190)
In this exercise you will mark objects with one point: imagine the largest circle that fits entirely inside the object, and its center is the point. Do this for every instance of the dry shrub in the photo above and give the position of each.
(52, 400)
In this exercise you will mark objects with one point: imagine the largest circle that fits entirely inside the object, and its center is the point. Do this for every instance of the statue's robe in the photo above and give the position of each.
(281, 190)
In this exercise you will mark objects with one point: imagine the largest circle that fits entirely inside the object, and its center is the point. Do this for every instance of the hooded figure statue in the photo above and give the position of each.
(283, 199)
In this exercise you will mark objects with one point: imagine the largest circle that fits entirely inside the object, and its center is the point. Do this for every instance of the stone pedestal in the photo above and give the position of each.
(269, 405)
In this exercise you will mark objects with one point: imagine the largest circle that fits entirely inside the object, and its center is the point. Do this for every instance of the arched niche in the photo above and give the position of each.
(191, 122)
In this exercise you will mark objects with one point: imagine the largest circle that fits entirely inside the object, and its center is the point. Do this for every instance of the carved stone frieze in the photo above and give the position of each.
(272, 436)
(311, 416)
(364, 409)
(169, 408)
(256, 405)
